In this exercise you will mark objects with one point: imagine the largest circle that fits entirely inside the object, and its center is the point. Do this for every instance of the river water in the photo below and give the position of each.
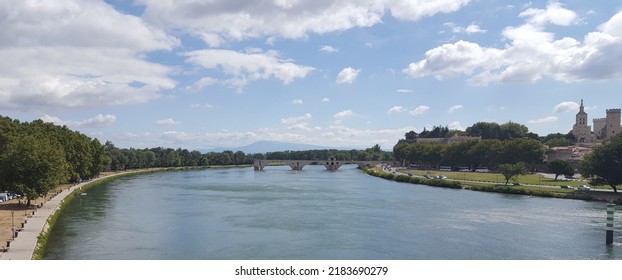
(314, 214)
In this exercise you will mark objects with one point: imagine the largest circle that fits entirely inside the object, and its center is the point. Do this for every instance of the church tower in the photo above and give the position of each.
(580, 129)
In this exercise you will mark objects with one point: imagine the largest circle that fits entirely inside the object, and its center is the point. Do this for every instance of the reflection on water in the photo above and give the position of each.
(316, 214)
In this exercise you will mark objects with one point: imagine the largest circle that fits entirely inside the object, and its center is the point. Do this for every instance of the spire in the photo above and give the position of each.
(581, 108)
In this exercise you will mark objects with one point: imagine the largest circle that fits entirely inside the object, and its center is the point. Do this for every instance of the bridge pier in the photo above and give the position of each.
(330, 164)
(297, 165)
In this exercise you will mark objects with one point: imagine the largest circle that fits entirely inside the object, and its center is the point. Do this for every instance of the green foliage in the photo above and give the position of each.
(560, 167)
(491, 130)
(604, 164)
(559, 140)
(510, 171)
(32, 166)
(415, 180)
(373, 153)
(487, 152)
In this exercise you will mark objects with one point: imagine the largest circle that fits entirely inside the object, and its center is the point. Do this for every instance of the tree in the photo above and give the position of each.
(604, 164)
(510, 171)
(560, 167)
(411, 136)
(486, 130)
(32, 166)
(512, 130)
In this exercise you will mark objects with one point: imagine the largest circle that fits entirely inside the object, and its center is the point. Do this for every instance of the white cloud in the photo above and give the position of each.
(297, 102)
(471, 29)
(334, 135)
(567, 106)
(395, 110)
(550, 119)
(168, 121)
(474, 28)
(455, 108)
(325, 100)
(405, 90)
(98, 121)
(247, 67)
(329, 49)
(76, 53)
(554, 13)
(202, 106)
(347, 75)
(217, 22)
(344, 114)
(531, 53)
(294, 120)
(613, 26)
(455, 125)
(304, 127)
(203, 83)
(417, 9)
(419, 110)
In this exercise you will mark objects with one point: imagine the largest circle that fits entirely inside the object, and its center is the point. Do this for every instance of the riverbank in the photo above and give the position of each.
(541, 191)
(33, 222)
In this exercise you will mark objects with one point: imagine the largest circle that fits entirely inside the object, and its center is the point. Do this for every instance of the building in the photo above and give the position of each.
(580, 129)
(603, 127)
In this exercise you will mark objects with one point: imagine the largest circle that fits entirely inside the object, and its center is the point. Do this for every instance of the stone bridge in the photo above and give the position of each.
(330, 164)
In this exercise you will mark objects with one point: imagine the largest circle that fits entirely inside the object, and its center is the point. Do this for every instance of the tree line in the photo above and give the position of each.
(374, 153)
(37, 156)
(488, 153)
(510, 149)
(131, 158)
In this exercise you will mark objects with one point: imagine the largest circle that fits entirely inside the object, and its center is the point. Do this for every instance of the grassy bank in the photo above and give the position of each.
(527, 179)
(414, 180)
(498, 188)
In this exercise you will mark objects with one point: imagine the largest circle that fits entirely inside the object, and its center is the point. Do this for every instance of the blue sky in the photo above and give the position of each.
(200, 74)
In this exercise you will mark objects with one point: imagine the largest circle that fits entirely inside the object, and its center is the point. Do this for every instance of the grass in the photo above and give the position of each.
(479, 183)
(528, 179)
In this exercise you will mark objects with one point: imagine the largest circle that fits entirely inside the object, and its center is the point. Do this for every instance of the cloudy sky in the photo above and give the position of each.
(225, 73)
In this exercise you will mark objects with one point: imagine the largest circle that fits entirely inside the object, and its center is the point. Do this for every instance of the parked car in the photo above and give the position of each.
(441, 177)
(567, 187)
(583, 188)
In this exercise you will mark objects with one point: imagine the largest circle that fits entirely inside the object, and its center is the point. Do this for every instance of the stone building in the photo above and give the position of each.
(580, 129)
(603, 127)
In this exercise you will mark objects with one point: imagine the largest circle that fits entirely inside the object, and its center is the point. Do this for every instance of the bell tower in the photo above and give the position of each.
(580, 129)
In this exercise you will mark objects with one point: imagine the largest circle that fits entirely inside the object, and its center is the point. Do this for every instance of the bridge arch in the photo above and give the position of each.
(330, 164)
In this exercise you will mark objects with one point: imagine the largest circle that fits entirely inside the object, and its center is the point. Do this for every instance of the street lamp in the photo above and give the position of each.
(13, 223)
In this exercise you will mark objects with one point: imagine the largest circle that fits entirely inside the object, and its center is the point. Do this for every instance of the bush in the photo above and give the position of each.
(416, 180)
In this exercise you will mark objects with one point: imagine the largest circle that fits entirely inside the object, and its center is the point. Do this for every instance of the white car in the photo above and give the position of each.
(583, 188)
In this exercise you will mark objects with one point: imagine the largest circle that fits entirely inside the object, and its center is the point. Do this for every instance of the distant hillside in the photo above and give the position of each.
(269, 146)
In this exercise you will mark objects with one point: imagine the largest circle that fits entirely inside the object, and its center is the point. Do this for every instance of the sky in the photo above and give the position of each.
(346, 74)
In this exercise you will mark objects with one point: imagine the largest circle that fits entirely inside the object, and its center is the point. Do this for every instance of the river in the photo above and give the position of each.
(314, 214)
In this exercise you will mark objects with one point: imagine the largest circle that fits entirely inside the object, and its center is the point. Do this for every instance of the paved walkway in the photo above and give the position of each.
(23, 246)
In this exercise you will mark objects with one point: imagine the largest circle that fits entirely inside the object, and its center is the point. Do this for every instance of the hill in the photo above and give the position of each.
(269, 146)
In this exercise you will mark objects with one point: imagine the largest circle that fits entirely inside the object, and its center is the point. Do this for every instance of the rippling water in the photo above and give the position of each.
(238, 213)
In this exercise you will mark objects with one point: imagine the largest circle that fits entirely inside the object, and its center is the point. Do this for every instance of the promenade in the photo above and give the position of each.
(23, 246)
